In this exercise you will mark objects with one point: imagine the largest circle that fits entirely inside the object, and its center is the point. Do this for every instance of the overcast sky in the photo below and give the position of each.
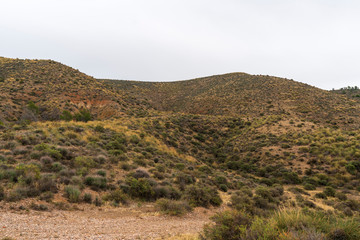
(312, 41)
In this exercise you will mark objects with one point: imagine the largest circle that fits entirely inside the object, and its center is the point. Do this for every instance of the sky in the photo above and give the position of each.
(312, 41)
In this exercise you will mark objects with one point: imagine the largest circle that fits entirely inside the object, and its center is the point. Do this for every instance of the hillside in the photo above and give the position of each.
(350, 92)
(244, 95)
(241, 145)
(53, 88)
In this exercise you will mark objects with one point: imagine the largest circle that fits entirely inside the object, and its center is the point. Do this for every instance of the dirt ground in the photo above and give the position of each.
(131, 222)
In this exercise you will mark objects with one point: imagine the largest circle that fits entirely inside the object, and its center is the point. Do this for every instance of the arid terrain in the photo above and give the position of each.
(101, 223)
(256, 157)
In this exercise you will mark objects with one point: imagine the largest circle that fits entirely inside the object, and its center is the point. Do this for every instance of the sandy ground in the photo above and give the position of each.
(99, 223)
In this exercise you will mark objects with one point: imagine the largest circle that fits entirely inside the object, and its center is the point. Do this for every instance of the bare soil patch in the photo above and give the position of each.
(100, 223)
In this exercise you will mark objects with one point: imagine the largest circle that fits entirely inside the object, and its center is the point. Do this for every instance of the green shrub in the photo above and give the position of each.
(223, 187)
(140, 188)
(72, 193)
(99, 128)
(101, 172)
(83, 115)
(41, 147)
(329, 191)
(180, 166)
(84, 162)
(2, 193)
(320, 195)
(135, 139)
(32, 107)
(309, 186)
(291, 178)
(166, 192)
(57, 167)
(264, 193)
(220, 180)
(341, 196)
(98, 202)
(66, 116)
(202, 196)
(285, 224)
(172, 207)
(229, 225)
(351, 169)
(242, 202)
(125, 166)
(117, 196)
(96, 182)
(87, 198)
(47, 184)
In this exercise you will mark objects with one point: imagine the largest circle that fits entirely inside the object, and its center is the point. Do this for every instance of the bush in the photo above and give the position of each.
(309, 186)
(83, 115)
(351, 169)
(134, 139)
(87, 198)
(139, 173)
(22, 192)
(2, 193)
(32, 107)
(166, 192)
(84, 162)
(241, 202)
(220, 180)
(329, 191)
(341, 196)
(96, 182)
(66, 116)
(57, 167)
(117, 197)
(172, 207)
(47, 196)
(285, 224)
(264, 193)
(223, 187)
(47, 184)
(101, 173)
(98, 201)
(140, 188)
(320, 195)
(202, 196)
(72, 193)
(228, 226)
(99, 128)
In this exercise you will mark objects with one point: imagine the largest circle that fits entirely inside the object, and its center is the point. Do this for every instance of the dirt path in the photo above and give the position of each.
(111, 223)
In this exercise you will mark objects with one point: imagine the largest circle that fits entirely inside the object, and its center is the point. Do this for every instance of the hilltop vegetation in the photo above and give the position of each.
(244, 95)
(283, 158)
(44, 89)
(350, 92)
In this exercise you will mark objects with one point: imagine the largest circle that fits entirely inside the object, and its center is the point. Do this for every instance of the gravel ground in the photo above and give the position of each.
(112, 223)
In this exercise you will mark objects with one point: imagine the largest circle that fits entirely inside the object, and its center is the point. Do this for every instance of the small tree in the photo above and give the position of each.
(83, 115)
(66, 115)
(32, 107)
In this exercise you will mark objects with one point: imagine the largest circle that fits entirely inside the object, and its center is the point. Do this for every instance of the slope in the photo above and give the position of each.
(51, 87)
(241, 94)
(350, 92)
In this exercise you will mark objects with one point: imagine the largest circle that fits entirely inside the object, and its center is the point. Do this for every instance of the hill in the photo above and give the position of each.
(43, 89)
(350, 92)
(244, 95)
(248, 144)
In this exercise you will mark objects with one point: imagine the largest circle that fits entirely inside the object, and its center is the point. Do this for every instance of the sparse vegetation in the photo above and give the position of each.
(285, 162)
